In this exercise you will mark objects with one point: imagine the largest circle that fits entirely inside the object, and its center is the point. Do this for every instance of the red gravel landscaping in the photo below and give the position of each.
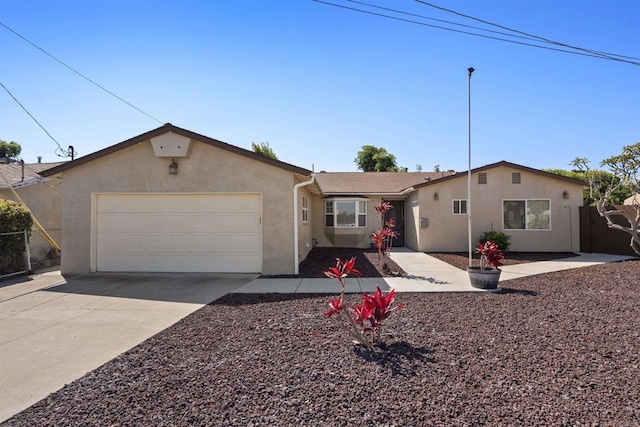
(555, 349)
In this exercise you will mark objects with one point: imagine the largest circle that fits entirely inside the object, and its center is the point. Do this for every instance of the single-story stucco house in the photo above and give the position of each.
(171, 200)
(41, 195)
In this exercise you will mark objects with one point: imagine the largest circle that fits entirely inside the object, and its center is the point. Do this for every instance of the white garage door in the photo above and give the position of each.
(178, 233)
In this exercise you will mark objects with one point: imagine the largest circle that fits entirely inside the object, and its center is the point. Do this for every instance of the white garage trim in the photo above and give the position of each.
(176, 232)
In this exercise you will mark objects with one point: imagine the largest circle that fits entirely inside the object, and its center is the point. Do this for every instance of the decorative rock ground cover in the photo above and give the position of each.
(555, 349)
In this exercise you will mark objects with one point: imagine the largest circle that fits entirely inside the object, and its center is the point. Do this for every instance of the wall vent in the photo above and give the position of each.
(515, 178)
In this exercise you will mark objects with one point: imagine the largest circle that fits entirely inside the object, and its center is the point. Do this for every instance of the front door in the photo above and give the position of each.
(397, 213)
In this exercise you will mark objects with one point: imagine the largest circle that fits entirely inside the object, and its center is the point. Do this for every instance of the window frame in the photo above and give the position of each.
(527, 221)
(305, 210)
(461, 212)
(360, 208)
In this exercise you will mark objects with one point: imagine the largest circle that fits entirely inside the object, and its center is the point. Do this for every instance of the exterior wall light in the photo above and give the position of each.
(565, 194)
(173, 167)
(436, 196)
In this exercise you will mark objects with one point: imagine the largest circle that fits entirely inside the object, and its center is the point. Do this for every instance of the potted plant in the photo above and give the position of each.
(487, 275)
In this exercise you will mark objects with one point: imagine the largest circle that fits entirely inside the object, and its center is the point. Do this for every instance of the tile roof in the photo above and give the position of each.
(12, 172)
(372, 182)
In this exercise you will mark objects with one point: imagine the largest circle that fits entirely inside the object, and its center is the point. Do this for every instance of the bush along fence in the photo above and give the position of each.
(15, 230)
(15, 258)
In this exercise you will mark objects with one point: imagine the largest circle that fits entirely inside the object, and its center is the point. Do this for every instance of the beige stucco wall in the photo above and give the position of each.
(349, 237)
(45, 202)
(412, 221)
(448, 232)
(206, 169)
(305, 237)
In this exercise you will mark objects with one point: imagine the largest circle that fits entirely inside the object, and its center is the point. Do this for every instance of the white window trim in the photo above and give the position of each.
(453, 203)
(305, 210)
(356, 201)
(526, 208)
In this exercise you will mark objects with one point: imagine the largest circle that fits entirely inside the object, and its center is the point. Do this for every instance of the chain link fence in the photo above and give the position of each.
(14, 254)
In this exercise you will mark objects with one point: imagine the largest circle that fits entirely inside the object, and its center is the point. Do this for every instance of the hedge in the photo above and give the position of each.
(13, 217)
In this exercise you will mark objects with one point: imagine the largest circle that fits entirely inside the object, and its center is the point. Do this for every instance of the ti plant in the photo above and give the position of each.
(383, 238)
(362, 321)
(490, 255)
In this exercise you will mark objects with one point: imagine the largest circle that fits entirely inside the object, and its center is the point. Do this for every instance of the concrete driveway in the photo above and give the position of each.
(54, 330)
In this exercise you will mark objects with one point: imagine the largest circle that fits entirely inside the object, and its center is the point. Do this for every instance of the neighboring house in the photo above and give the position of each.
(632, 200)
(171, 200)
(42, 196)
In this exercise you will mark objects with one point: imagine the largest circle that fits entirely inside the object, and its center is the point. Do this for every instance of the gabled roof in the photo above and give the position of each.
(352, 183)
(186, 133)
(13, 173)
(511, 165)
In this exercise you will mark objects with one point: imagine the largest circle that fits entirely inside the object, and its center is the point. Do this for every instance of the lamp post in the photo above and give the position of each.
(471, 70)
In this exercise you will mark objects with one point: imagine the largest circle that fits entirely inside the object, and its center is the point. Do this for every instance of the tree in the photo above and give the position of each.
(626, 168)
(10, 150)
(604, 179)
(436, 168)
(374, 159)
(264, 150)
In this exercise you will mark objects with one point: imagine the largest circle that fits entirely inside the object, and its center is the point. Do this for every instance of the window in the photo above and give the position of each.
(526, 214)
(305, 210)
(459, 207)
(345, 213)
(482, 178)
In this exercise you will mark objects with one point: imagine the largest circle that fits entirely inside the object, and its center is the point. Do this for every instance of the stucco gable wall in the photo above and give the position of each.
(448, 232)
(207, 169)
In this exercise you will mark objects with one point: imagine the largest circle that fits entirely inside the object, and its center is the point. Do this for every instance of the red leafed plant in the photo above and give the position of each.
(383, 238)
(490, 255)
(362, 321)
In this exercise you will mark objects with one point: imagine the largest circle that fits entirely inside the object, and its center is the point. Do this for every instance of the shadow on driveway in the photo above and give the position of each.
(171, 287)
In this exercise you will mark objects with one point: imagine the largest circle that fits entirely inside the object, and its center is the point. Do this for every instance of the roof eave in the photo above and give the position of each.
(184, 132)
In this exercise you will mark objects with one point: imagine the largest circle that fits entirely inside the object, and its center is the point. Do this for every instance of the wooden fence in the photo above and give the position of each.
(596, 236)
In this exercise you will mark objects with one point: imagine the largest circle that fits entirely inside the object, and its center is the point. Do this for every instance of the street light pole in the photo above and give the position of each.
(471, 70)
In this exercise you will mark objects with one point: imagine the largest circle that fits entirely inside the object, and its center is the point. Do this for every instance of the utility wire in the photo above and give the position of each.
(471, 33)
(524, 36)
(603, 54)
(37, 122)
(80, 74)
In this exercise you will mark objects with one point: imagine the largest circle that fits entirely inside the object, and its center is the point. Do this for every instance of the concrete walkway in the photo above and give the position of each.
(424, 274)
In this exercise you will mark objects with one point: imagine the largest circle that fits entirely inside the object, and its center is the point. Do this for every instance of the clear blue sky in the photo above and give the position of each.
(318, 82)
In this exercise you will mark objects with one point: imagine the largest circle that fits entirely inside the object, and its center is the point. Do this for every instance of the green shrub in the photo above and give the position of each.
(13, 217)
(502, 240)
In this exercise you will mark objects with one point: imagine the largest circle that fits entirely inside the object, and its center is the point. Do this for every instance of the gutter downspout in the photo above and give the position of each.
(296, 252)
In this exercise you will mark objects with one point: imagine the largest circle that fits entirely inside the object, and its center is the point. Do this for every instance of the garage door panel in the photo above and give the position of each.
(178, 232)
(168, 263)
(178, 222)
(189, 203)
(178, 242)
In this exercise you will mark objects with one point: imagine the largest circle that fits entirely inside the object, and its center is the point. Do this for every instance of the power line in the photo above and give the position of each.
(66, 154)
(603, 54)
(471, 33)
(524, 36)
(80, 74)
